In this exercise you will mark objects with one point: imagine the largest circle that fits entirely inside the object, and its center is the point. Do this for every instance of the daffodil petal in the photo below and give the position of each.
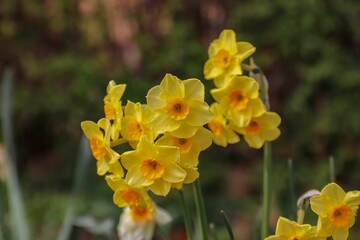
(173, 173)
(135, 178)
(194, 89)
(160, 187)
(153, 100)
(91, 130)
(340, 233)
(245, 50)
(335, 193)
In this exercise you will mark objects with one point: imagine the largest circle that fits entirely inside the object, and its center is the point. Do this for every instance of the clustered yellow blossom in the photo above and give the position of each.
(238, 108)
(336, 210)
(165, 137)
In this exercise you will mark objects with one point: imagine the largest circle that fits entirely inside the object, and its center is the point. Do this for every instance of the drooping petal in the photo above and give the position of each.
(254, 141)
(340, 233)
(102, 167)
(160, 187)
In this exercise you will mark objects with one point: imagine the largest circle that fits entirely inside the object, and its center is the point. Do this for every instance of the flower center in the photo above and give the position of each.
(141, 214)
(98, 149)
(135, 129)
(222, 59)
(177, 109)
(237, 99)
(340, 216)
(184, 144)
(253, 128)
(216, 127)
(152, 169)
(110, 111)
(130, 196)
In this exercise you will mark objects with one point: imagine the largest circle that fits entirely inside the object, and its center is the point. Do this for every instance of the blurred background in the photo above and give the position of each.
(63, 53)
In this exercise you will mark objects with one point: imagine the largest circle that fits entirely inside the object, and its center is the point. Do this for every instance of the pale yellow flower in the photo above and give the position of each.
(136, 123)
(190, 149)
(225, 57)
(153, 166)
(336, 210)
(261, 129)
(290, 230)
(126, 195)
(99, 136)
(112, 103)
(223, 134)
(178, 106)
(240, 100)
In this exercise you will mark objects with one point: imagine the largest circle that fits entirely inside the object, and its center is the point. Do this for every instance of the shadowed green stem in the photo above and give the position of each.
(266, 190)
(186, 215)
(19, 228)
(227, 224)
(200, 210)
(291, 189)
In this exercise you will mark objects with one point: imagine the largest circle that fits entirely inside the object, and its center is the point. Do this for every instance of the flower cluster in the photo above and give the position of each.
(336, 210)
(238, 108)
(166, 136)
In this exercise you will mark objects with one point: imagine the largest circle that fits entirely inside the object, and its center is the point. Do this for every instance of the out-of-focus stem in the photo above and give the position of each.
(332, 169)
(200, 210)
(266, 190)
(186, 215)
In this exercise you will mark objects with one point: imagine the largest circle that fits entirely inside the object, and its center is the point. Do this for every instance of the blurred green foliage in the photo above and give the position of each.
(65, 52)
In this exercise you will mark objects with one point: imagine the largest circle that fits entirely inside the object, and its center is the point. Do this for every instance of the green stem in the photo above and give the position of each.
(228, 225)
(200, 210)
(266, 190)
(187, 220)
(291, 189)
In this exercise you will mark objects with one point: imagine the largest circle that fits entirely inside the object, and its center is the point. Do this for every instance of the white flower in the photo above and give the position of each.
(139, 223)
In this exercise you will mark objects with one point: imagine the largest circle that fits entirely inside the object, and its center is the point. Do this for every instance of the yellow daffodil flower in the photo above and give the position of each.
(336, 210)
(178, 106)
(112, 104)
(261, 129)
(240, 98)
(225, 57)
(190, 149)
(99, 136)
(126, 195)
(139, 223)
(136, 123)
(222, 132)
(289, 230)
(153, 166)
